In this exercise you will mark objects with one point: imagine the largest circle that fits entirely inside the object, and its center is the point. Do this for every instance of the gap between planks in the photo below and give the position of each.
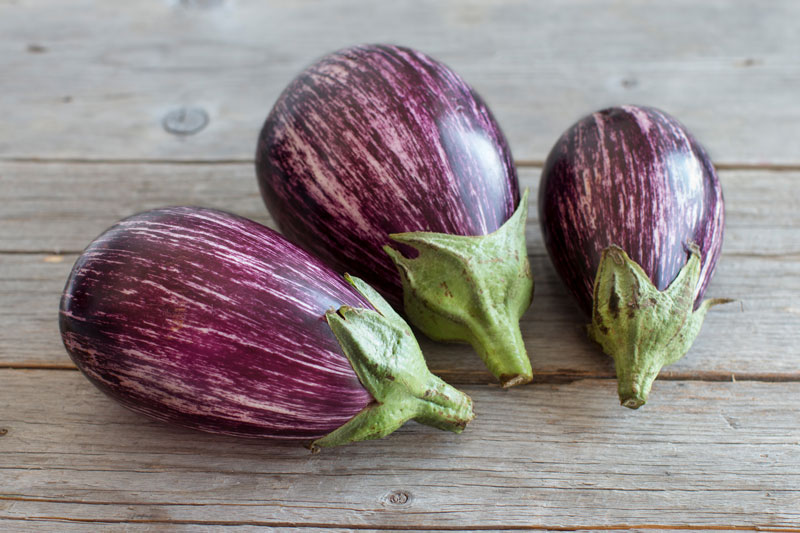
(106, 458)
(543, 378)
(615, 527)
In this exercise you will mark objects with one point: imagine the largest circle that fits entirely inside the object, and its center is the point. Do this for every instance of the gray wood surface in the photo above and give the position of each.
(759, 267)
(36, 524)
(754, 338)
(63, 206)
(545, 455)
(84, 90)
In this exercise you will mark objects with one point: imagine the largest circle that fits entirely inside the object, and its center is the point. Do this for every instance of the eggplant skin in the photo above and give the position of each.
(380, 139)
(636, 178)
(211, 321)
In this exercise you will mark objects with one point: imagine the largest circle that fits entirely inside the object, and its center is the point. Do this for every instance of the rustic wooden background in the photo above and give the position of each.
(102, 111)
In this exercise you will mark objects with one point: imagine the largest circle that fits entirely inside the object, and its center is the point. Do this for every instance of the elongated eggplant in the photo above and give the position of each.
(214, 322)
(632, 215)
(378, 145)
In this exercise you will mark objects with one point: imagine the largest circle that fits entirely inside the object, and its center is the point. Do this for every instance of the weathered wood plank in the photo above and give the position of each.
(710, 454)
(65, 525)
(551, 455)
(62, 207)
(128, 526)
(27, 526)
(73, 88)
(756, 338)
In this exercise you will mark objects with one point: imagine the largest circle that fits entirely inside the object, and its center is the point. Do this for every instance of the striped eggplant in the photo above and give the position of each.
(381, 144)
(632, 215)
(214, 322)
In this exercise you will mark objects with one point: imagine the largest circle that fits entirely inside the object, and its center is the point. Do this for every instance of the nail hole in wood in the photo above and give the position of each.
(3, 431)
(185, 120)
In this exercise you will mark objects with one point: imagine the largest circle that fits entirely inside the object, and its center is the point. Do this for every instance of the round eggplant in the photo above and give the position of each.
(632, 215)
(385, 163)
(214, 322)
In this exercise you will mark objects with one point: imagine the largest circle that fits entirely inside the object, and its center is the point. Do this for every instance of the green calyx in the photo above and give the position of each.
(388, 361)
(472, 289)
(643, 328)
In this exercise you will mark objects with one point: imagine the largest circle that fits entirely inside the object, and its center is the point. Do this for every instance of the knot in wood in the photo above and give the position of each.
(185, 120)
(399, 497)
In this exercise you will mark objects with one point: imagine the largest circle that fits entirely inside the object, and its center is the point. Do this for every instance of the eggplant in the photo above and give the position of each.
(211, 321)
(384, 163)
(632, 214)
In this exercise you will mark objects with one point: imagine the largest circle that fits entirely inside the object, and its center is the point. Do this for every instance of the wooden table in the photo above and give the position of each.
(85, 89)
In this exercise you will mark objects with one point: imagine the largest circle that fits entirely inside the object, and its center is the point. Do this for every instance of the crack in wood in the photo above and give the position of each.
(544, 378)
(380, 527)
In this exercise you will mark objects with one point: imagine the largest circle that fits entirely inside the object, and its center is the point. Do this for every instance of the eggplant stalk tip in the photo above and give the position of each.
(388, 361)
(472, 289)
(643, 328)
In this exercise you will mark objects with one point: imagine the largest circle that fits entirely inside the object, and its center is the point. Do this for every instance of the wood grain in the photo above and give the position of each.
(67, 525)
(61, 207)
(82, 144)
(544, 455)
(76, 89)
(55, 524)
(755, 338)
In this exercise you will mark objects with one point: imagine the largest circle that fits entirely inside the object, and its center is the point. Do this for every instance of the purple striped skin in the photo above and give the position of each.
(380, 139)
(633, 177)
(211, 321)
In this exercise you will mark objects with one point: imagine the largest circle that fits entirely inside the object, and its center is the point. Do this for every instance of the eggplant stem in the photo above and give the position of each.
(643, 328)
(472, 289)
(388, 361)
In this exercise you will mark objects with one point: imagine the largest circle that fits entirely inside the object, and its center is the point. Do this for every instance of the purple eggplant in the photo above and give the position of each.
(632, 215)
(214, 322)
(377, 145)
